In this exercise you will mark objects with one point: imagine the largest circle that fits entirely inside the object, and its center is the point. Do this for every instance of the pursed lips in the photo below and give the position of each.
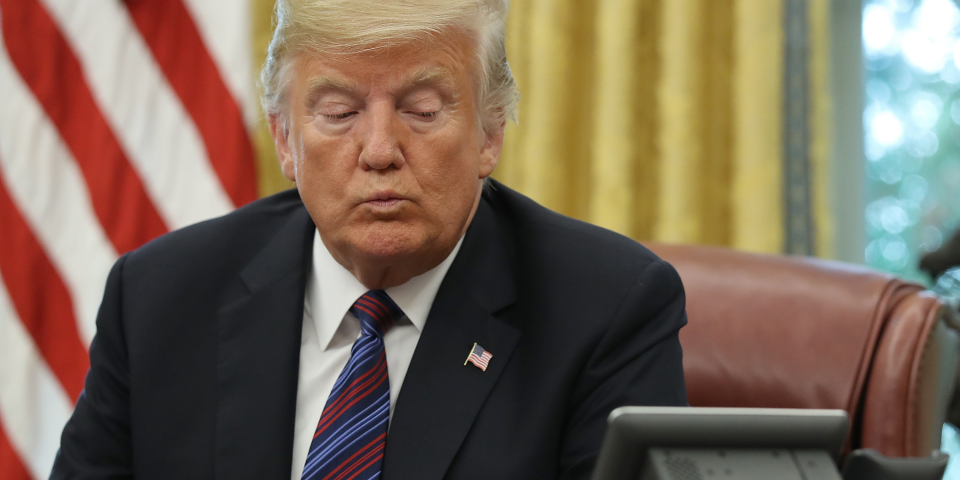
(384, 199)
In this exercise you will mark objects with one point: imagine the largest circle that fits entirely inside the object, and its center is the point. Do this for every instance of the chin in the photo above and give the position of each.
(389, 243)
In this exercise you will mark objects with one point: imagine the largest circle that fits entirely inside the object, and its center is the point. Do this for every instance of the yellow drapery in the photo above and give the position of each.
(270, 179)
(659, 119)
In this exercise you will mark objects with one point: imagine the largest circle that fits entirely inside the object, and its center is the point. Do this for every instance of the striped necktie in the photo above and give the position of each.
(352, 432)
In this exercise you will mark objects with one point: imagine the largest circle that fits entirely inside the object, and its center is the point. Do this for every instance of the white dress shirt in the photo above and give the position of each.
(329, 330)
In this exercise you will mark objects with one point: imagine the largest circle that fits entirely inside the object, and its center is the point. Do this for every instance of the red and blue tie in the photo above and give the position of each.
(352, 432)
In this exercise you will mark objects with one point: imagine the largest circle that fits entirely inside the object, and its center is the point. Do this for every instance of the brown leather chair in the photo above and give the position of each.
(789, 332)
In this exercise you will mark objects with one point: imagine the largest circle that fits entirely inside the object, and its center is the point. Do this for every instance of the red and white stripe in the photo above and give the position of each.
(119, 122)
(482, 361)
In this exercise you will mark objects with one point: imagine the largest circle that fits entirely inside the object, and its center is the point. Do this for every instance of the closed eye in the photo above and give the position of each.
(340, 116)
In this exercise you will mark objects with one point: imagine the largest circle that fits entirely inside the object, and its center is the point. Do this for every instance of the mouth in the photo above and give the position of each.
(384, 200)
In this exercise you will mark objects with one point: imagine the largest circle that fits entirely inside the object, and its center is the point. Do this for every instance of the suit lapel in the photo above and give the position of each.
(258, 357)
(440, 397)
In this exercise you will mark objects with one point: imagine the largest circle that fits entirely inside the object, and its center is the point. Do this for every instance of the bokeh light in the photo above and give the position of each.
(911, 130)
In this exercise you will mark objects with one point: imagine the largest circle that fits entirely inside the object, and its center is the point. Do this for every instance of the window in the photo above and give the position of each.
(912, 130)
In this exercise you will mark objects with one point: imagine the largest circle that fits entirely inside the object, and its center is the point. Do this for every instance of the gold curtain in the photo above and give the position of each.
(659, 119)
(821, 128)
(270, 179)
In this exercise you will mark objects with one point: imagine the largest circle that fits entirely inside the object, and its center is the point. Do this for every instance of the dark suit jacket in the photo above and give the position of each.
(194, 367)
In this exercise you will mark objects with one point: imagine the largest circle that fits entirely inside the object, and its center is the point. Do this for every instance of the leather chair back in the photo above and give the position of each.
(789, 332)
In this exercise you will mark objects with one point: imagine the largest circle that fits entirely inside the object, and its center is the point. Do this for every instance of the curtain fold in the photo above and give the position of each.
(821, 128)
(684, 97)
(757, 187)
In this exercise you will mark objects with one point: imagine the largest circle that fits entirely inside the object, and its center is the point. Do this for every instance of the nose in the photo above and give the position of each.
(381, 145)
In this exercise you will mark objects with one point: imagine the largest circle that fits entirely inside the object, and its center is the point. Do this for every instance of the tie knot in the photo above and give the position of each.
(376, 311)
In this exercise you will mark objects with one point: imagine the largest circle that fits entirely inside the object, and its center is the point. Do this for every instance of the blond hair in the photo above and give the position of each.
(345, 26)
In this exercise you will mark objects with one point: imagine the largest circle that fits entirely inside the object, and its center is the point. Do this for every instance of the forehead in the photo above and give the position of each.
(443, 59)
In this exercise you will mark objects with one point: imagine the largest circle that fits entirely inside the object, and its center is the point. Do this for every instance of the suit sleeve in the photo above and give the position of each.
(638, 361)
(96, 440)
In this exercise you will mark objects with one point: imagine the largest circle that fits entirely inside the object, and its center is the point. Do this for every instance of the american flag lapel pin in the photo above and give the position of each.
(479, 357)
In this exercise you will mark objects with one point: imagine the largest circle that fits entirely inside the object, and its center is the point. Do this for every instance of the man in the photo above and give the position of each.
(393, 317)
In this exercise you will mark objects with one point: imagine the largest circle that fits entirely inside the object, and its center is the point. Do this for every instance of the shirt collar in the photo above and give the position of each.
(332, 290)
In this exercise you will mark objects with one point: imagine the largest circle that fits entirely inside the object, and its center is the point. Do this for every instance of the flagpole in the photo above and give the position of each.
(471, 353)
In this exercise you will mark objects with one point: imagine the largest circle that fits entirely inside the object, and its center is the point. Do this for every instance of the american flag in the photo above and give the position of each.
(119, 121)
(479, 357)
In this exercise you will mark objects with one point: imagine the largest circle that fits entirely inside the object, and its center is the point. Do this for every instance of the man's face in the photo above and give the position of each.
(387, 151)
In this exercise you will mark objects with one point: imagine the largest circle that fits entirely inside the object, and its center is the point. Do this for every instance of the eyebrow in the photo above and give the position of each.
(428, 75)
(330, 83)
(433, 76)
(424, 76)
(323, 84)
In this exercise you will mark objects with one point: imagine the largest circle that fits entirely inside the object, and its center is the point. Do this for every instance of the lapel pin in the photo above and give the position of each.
(479, 357)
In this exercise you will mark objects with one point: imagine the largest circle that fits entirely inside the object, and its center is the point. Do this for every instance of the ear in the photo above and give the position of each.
(490, 152)
(281, 136)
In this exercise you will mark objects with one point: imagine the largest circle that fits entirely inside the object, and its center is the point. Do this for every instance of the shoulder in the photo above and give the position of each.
(225, 240)
(559, 241)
